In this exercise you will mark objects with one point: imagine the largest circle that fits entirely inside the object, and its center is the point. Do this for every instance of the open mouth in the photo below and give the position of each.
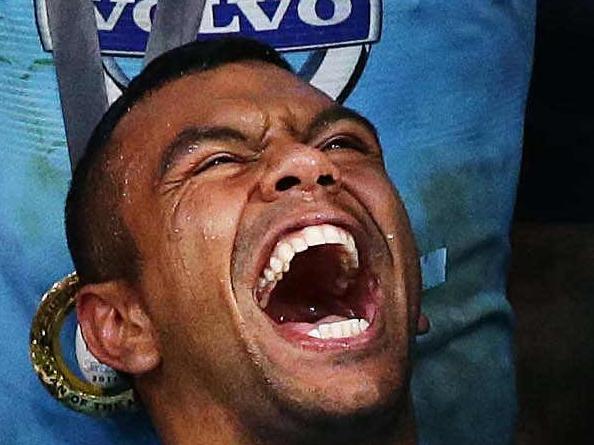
(316, 286)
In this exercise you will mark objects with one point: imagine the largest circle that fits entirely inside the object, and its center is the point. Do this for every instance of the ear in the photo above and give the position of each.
(116, 327)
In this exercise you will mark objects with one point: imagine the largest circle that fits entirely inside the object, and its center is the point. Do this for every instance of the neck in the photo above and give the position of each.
(202, 420)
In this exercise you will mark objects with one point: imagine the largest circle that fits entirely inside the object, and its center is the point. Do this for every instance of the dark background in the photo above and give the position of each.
(552, 270)
(557, 180)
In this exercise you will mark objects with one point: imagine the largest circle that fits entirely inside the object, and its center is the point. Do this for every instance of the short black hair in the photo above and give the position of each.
(101, 246)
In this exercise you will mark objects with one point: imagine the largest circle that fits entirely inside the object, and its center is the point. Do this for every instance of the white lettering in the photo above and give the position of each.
(207, 24)
(142, 14)
(114, 15)
(250, 9)
(258, 18)
(307, 12)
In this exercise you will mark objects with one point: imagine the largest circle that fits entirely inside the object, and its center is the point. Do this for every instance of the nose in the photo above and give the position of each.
(299, 169)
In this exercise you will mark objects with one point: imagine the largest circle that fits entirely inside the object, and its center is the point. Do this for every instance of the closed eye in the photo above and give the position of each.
(215, 161)
(344, 142)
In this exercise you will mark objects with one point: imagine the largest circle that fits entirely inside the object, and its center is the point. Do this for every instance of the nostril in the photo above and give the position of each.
(286, 183)
(325, 180)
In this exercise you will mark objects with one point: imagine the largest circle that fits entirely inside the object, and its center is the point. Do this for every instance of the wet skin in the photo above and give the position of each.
(203, 163)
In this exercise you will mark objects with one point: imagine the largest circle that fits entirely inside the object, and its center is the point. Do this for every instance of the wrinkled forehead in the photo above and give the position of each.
(245, 95)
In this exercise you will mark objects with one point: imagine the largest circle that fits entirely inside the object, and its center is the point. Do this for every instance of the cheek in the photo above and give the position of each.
(208, 215)
(375, 191)
(196, 305)
(186, 245)
(372, 187)
(202, 228)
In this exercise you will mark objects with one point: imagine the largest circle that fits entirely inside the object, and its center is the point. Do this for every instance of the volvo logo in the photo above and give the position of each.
(336, 35)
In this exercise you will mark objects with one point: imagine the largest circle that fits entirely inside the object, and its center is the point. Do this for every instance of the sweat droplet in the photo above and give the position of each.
(307, 196)
(390, 236)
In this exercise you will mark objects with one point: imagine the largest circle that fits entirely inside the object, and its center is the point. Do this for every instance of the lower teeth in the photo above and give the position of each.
(339, 329)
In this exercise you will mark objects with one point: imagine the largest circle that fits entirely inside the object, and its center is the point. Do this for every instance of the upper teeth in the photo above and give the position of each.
(299, 241)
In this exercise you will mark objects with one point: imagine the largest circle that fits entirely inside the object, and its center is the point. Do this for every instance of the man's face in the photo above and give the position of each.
(278, 265)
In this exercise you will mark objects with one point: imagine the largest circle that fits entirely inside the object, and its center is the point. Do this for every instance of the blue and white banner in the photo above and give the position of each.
(288, 25)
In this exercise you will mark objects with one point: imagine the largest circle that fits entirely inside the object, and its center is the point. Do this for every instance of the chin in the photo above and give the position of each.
(366, 397)
(341, 412)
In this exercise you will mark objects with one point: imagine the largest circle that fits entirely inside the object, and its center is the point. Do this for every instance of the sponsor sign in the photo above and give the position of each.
(336, 33)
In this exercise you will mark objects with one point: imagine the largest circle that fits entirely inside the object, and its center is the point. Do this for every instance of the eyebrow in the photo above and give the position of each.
(337, 113)
(178, 148)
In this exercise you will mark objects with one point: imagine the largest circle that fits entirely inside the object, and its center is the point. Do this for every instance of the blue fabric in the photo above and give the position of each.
(445, 85)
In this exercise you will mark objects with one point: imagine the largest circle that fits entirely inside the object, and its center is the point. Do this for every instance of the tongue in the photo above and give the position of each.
(310, 313)
(304, 328)
(329, 319)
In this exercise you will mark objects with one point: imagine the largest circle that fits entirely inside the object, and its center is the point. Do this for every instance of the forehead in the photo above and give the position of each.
(246, 94)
